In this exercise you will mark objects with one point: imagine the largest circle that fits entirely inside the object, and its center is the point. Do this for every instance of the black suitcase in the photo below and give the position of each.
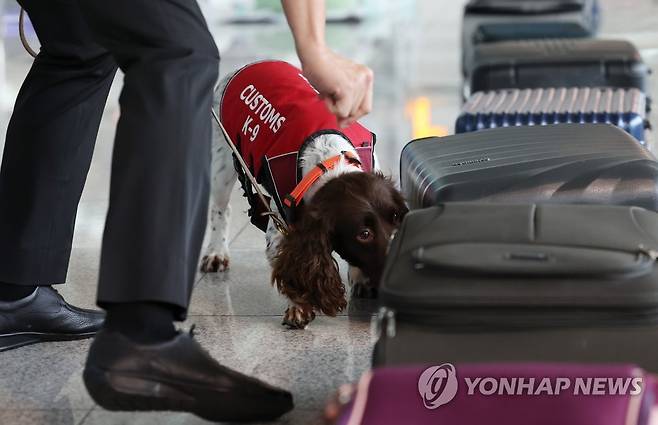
(625, 108)
(564, 163)
(555, 63)
(471, 282)
(500, 20)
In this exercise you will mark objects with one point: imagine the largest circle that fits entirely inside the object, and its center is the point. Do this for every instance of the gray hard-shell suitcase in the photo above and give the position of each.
(472, 282)
(563, 163)
(625, 108)
(500, 20)
(555, 63)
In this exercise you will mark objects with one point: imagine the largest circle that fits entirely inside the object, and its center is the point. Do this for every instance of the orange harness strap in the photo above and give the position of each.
(295, 197)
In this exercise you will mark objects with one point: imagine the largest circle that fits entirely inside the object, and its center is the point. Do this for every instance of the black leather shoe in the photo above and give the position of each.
(176, 375)
(45, 316)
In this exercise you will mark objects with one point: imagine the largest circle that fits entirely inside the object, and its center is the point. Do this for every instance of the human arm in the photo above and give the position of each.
(345, 86)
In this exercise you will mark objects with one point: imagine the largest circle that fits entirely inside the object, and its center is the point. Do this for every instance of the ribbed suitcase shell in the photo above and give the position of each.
(625, 108)
(502, 20)
(564, 163)
(556, 63)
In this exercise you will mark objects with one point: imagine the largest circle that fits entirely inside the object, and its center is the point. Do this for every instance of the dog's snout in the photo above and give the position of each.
(390, 240)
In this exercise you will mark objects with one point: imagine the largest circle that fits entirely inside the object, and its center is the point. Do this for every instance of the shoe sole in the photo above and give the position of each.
(12, 341)
(138, 394)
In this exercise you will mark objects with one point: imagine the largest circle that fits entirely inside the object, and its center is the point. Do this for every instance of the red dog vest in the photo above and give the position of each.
(270, 110)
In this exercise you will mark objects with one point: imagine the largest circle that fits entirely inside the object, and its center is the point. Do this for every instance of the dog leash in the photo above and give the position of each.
(278, 221)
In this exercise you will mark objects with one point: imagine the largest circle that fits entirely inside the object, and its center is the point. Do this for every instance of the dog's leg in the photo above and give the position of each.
(360, 284)
(224, 176)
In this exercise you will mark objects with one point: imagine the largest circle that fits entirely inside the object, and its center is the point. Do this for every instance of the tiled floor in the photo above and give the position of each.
(413, 48)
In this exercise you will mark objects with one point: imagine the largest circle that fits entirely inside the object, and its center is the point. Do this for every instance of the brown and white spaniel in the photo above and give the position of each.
(323, 178)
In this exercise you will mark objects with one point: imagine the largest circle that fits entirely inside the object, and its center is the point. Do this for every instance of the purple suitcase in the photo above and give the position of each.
(542, 394)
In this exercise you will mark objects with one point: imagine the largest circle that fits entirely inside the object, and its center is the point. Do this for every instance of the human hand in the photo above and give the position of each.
(345, 86)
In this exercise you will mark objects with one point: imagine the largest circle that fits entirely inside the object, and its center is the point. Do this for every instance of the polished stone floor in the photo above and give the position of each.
(413, 47)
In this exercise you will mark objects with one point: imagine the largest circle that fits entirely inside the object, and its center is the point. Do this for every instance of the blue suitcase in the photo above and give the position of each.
(487, 21)
(555, 63)
(625, 108)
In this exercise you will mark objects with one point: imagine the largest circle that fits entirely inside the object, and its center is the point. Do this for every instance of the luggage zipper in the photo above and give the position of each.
(517, 319)
(385, 321)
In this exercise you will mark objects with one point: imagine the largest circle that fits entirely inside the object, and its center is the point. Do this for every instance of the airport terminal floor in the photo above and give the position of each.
(413, 47)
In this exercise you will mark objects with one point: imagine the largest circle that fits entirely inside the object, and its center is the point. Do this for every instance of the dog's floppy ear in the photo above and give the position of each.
(304, 270)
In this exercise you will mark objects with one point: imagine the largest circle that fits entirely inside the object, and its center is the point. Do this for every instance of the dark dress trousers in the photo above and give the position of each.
(161, 161)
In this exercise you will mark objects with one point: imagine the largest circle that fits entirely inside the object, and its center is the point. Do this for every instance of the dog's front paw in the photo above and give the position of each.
(297, 317)
(214, 263)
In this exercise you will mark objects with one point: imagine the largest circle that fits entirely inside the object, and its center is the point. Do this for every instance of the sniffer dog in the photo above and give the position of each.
(322, 177)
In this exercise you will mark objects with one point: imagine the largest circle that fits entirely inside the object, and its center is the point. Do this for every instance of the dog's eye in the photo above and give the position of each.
(395, 218)
(365, 235)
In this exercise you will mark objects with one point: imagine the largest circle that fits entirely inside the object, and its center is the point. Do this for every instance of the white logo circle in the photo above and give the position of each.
(437, 385)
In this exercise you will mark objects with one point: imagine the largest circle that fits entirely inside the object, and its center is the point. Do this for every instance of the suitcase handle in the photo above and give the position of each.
(534, 260)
